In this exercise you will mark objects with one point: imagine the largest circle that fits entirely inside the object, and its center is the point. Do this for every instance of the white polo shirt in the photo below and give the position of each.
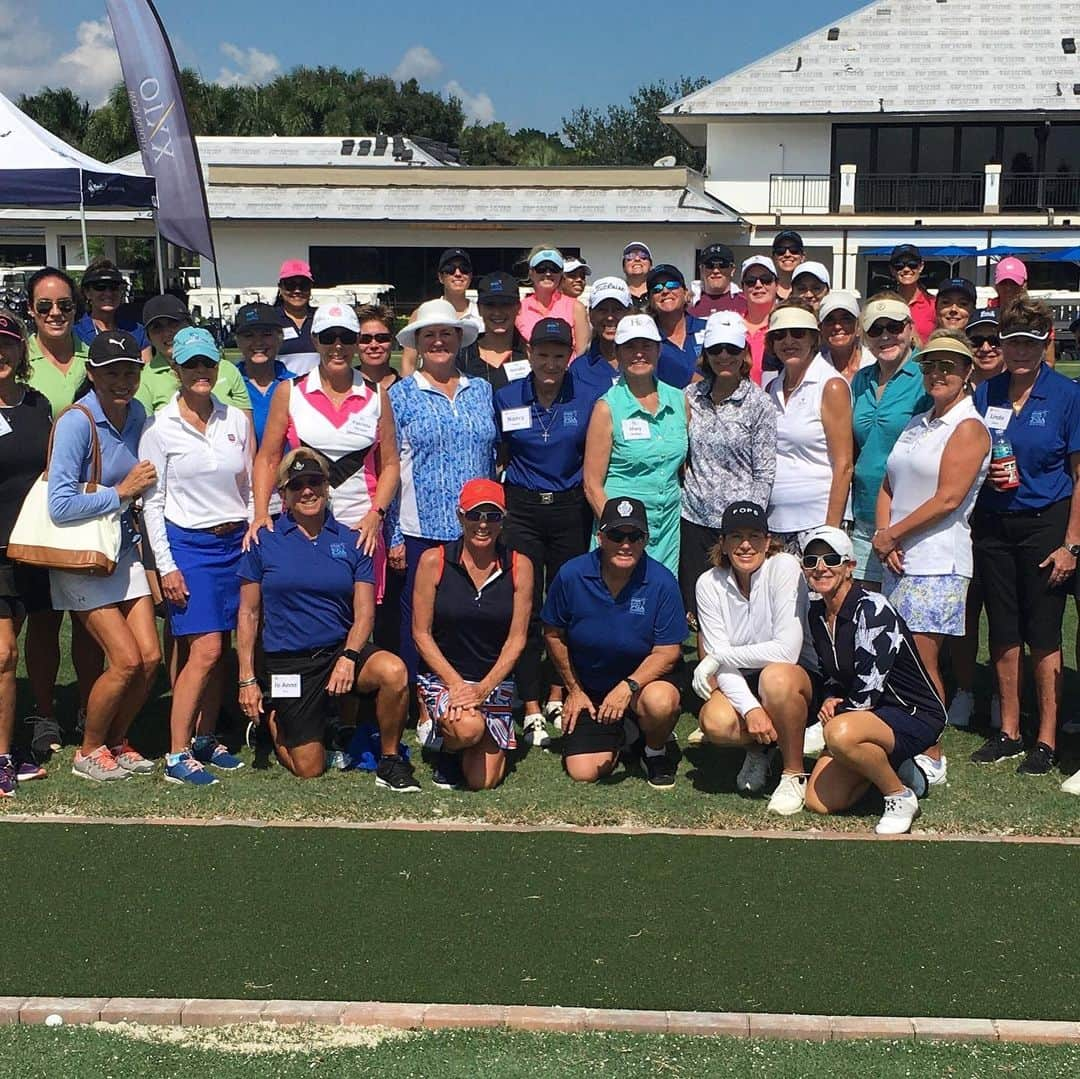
(204, 479)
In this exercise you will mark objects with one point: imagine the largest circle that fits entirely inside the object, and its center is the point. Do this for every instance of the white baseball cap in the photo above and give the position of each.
(836, 538)
(757, 260)
(816, 268)
(724, 328)
(839, 301)
(573, 265)
(610, 288)
(330, 315)
(634, 327)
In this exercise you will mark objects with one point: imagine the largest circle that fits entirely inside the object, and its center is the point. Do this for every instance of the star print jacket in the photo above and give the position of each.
(870, 660)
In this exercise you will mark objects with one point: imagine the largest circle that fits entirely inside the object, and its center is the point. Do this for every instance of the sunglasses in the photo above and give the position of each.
(787, 250)
(946, 367)
(330, 337)
(665, 286)
(492, 517)
(296, 284)
(381, 338)
(978, 340)
(44, 307)
(796, 333)
(906, 264)
(635, 256)
(456, 267)
(316, 483)
(832, 560)
(724, 349)
(886, 325)
(764, 279)
(105, 286)
(546, 268)
(718, 264)
(625, 535)
(817, 288)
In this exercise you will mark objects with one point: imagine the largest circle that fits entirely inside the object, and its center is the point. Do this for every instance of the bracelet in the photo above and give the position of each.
(245, 682)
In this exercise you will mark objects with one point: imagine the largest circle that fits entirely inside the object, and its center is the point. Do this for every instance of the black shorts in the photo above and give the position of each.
(1021, 607)
(23, 589)
(304, 719)
(912, 733)
(589, 736)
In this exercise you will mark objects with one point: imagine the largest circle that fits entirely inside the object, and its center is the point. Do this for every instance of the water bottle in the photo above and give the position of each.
(1001, 453)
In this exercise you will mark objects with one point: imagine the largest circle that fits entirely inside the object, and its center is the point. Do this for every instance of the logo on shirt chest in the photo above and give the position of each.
(569, 419)
(1037, 419)
(338, 550)
(637, 604)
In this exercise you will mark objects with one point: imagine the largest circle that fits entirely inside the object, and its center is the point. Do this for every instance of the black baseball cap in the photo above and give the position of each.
(664, 271)
(744, 514)
(903, 251)
(721, 252)
(105, 275)
(552, 329)
(166, 306)
(301, 462)
(114, 346)
(624, 513)
(258, 316)
(985, 316)
(497, 287)
(452, 253)
(10, 327)
(959, 284)
(787, 237)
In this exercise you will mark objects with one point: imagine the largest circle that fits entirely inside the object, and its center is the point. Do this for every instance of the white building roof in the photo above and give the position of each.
(910, 56)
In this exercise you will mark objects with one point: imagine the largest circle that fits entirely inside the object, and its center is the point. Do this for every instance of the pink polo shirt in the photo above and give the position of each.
(532, 311)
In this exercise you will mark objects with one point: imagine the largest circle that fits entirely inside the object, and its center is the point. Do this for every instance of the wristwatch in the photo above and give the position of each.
(634, 686)
(1073, 549)
(351, 653)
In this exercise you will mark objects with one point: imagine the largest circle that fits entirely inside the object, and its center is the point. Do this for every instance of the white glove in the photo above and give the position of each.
(702, 673)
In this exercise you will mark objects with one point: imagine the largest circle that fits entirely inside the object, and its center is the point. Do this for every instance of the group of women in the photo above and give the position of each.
(813, 428)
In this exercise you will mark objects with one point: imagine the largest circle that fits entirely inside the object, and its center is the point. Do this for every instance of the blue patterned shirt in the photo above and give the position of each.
(442, 443)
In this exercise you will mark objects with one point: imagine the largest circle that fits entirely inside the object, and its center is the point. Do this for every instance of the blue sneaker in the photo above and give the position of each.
(187, 769)
(208, 750)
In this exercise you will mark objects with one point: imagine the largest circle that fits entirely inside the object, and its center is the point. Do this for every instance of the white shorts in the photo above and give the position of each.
(81, 592)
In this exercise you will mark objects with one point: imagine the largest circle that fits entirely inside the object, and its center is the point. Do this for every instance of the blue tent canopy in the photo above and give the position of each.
(952, 253)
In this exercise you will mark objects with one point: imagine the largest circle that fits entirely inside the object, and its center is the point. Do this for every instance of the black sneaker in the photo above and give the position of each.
(447, 774)
(660, 771)
(395, 774)
(1038, 762)
(999, 748)
(45, 738)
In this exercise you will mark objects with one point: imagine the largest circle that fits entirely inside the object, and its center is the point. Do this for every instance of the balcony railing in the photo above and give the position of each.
(932, 193)
(1040, 191)
(800, 193)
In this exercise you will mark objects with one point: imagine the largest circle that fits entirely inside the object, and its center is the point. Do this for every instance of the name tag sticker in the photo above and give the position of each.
(516, 419)
(635, 430)
(290, 333)
(516, 369)
(284, 686)
(5, 427)
(360, 424)
(997, 418)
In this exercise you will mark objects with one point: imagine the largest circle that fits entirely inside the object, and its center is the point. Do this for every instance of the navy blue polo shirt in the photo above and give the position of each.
(1043, 434)
(260, 402)
(592, 369)
(307, 585)
(677, 365)
(608, 636)
(546, 445)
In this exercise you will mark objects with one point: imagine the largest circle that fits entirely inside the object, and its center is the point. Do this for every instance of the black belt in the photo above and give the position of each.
(545, 498)
(227, 529)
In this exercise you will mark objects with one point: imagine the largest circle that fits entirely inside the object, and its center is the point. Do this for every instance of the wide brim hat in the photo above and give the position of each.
(437, 313)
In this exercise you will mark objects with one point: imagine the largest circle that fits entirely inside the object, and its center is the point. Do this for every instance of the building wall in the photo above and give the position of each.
(740, 157)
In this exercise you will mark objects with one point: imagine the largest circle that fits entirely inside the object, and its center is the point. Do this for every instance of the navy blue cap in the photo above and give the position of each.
(627, 512)
(788, 236)
(903, 251)
(258, 316)
(664, 271)
(552, 329)
(985, 316)
(497, 287)
(744, 514)
(959, 284)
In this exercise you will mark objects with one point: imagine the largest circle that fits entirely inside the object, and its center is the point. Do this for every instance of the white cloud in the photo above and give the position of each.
(419, 63)
(92, 68)
(253, 66)
(479, 108)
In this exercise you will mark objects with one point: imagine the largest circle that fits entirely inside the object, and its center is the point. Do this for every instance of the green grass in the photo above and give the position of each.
(80, 1053)
(654, 921)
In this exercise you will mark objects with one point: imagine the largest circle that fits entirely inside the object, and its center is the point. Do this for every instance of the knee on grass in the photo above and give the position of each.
(589, 767)
(466, 731)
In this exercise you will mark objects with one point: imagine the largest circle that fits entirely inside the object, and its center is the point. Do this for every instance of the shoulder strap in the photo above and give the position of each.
(95, 445)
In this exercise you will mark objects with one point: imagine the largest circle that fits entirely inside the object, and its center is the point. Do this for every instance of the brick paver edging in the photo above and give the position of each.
(153, 1011)
(569, 829)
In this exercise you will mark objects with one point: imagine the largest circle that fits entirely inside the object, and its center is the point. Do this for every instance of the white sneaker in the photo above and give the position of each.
(995, 712)
(914, 777)
(696, 737)
(936, 772)
(789, 796)
(553, 714)
(961, 709)
(1072, 784)
(813, 740)
(535, 731)
(754, 773)
(900, 810)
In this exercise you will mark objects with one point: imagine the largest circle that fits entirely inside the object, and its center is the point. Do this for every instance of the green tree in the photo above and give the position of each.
(59, 111)
(632, 134)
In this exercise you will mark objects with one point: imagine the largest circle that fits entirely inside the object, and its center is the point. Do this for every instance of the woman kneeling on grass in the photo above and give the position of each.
(614, 622)
(881, 707)
(316, 590)
(751, 612)
(470, 616)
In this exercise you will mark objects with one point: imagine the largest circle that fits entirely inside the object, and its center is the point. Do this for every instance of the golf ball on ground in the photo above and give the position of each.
(54, 1020)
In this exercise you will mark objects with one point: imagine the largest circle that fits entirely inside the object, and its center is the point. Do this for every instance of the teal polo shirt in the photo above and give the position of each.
(877, 422)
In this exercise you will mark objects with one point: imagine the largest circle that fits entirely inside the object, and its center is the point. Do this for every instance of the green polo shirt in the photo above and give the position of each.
(158, 385)
(59, 387)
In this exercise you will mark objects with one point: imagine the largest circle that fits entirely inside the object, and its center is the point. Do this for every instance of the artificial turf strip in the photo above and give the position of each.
(81, 1053)
(649, 921)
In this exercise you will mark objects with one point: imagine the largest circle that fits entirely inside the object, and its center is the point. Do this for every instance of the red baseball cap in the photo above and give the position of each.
(294, 268)
(481, 493)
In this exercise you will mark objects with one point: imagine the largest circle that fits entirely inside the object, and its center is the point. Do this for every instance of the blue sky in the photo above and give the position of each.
(526, 65)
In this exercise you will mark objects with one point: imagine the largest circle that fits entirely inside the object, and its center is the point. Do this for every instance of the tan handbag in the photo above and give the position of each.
(91, 546)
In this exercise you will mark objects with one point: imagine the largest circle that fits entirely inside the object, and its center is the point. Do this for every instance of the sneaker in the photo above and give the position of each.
(447, 774)
(100, 766)
(999, 748)
(45, 739)
(660, 770)
(8, 782)
(395, 774)
(754, 773)
(534, 730)
(914, 778)
(900, 810)
(961, 709)
(789, 796)
(813, 743)
(27, 770)
(1072, 784)
(131, 760)
(553, 714)
(1038, 762)
(995, 712)
(206, 749)
(936, 772)
(186, 769)
(696, 737)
